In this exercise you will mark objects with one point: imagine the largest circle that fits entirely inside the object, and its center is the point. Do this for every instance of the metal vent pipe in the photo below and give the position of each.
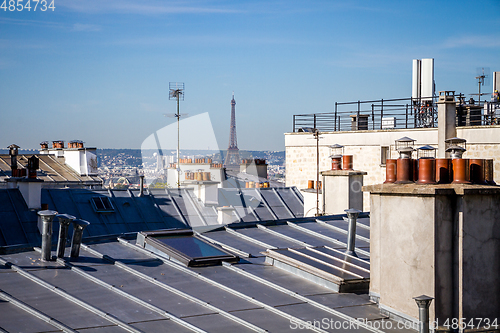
(141, 190)
(47, 219)
(423, 302)
(64, 222)
(76, 241)
(352, 216)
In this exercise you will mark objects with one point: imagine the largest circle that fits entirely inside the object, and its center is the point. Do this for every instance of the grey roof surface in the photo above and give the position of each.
(51, 170)
(157, 209)
(116, 286)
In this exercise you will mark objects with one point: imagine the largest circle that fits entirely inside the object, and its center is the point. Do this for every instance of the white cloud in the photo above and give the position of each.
(143, 7)
(4, 20)
(472, 41)
(86, 27)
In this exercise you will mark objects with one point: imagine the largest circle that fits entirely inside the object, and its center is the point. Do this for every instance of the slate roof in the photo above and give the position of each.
(51, 171)
(157, 209)
(116, 286)
(282, 280)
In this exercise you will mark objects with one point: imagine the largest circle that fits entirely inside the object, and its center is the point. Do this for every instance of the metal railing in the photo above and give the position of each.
(394, 114)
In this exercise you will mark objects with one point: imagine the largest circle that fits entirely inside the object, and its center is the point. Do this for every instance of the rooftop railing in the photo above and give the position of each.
(397, 113)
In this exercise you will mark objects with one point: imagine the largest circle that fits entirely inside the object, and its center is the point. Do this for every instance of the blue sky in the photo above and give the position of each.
(98, 70)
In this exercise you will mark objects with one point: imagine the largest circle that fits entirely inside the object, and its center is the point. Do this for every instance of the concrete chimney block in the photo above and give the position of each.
(446, 120)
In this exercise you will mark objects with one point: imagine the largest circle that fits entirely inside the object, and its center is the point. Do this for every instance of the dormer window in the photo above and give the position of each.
(102, 205)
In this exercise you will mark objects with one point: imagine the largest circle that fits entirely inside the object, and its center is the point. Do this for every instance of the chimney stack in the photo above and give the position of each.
(446, 120)
(33, 165)
(58, 144)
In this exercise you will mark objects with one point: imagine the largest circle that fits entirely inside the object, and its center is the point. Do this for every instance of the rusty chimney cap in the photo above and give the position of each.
(13, 146)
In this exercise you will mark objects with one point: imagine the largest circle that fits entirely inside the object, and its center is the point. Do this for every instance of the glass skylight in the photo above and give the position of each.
(184, 247)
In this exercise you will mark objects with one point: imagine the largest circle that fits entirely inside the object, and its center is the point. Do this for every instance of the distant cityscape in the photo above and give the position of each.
(117, 164)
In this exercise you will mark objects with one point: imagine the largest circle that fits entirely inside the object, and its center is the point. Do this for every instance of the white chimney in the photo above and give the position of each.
(226, 215)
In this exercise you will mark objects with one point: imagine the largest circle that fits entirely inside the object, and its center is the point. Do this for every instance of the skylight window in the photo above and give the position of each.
(184, 247)
(102, 205)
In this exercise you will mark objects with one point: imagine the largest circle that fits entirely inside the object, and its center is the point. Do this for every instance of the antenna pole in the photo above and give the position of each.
(317, 171)
(177, 92)
(480, 81)
(178, 144)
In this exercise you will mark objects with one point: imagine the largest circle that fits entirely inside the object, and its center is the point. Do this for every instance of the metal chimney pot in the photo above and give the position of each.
(76, 241)
(141, 190)
(455, 147)
(423, 303)
(352, 216)
(13, 152)
(64, 222)
(47, 218)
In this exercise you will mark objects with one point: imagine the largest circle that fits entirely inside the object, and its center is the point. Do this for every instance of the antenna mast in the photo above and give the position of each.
(177, 93)
(480, 82)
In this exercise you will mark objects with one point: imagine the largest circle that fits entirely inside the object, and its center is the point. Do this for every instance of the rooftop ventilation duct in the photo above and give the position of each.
(423, 303)
(76, 241)
(141, 189)
(352, 216)
(64, 222)
(47, 219)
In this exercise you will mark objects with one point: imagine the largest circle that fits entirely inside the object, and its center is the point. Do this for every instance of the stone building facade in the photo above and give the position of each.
(370, 148)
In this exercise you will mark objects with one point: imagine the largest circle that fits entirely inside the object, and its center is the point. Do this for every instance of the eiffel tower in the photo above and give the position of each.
(232, 160)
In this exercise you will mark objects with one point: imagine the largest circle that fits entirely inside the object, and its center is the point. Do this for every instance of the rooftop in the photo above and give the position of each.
(120, 286)
(51, 170)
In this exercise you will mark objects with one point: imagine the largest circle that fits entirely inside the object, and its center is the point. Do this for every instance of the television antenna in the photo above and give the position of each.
(482, 78)
(176, 92)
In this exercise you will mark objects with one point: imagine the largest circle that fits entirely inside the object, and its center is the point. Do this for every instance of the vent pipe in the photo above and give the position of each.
(423, 303)
(44, 145)
(64, 222)
(352, 216)
(141, 190)
(13, 151)
(404, 164)
(47, 218)
(336, 151)
(76, 241)
(33, 165)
